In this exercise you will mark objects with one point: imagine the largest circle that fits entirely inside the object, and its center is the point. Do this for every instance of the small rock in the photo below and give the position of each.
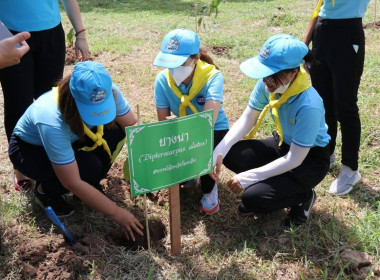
(357, 259)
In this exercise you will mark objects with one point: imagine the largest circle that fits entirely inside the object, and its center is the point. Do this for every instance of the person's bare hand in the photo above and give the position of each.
(81, 48)
(234, 185)
(9, 54)
(129, 222)
(217, 168)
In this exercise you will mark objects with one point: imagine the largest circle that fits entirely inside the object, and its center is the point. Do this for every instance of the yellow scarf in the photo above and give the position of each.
(318, 7)
(203, 72)
(300, 84)
(96, 137)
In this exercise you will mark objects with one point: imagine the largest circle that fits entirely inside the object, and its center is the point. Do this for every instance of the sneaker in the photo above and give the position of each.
(298, 214)
(244, 211)
(59, 205)
(210, 202)
(332, 160)
(209, 209)
(346, 180)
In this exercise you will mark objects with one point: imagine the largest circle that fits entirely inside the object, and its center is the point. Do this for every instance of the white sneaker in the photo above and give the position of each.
(332, 160)
(345, 182)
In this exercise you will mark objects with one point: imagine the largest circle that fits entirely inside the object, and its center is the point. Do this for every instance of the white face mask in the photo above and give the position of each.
(280, 89)
(180, 73)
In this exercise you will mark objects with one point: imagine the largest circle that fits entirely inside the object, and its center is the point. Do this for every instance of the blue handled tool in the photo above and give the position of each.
(53, 217)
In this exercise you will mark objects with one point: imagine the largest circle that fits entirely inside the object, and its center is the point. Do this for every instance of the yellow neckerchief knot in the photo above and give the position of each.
(300, 84)
(203, 72)
(318, 7)
(97, 138)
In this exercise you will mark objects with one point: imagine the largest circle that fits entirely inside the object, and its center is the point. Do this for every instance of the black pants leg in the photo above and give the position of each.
(38, 71)
(33, 161)
(207, 184)
(284, 190)
(335, 74)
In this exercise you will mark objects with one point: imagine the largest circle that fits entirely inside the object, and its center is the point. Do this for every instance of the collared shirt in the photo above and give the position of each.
(213, 90)
(343, 9)
(42, 124)
(302, 116)
(29, 15)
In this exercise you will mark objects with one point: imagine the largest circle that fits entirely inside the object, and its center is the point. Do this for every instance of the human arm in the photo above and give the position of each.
(212, 105)
(73, 12)
(291, 160)
(9, 54)
(163, 114)
(240, 128)
(128, 119)
(309, 31)
(69, 177)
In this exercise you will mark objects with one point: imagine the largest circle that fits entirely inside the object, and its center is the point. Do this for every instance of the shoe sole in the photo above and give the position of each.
(39, 203)
(349, 189)
(212, 211)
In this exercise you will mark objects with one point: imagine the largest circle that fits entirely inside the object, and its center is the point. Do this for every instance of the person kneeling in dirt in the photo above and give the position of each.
(68, 138)
(280, 171)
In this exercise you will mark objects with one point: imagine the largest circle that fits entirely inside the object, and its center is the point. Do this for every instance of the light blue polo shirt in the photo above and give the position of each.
(29, 15)
(343, 9)
(213, 90)
(42, 124)
(302, 116)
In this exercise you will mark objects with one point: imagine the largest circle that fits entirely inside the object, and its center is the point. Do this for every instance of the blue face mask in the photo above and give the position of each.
(180, 73)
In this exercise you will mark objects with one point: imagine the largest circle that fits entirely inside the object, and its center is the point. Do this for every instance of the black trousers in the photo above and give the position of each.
(335, 74)
(32, 160)
(207, 184)
(282, 191)
(38, 71)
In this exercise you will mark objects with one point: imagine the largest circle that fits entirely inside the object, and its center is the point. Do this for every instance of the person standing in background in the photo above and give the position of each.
(338, 40)
(43, 65)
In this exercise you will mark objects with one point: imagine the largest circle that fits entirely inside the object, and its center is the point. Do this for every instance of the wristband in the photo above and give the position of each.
(80, 31)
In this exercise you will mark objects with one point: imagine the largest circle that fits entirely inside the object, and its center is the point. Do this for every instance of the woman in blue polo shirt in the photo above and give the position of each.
(69, 137)
(336, 29)
(280, 171)
(42, 67)
(190, 84)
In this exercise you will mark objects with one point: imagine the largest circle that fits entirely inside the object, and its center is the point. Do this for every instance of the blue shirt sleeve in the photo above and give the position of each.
(57, 144)
(259, 97)
(215, 88)
(122, 105)
(306, 127)
(160, 97)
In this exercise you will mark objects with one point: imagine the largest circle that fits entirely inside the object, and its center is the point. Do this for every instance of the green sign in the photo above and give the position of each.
(166, 153)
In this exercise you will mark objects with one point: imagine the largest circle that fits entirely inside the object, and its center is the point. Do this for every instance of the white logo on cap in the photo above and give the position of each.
(98, 97)
(173, 44)
(264, 53)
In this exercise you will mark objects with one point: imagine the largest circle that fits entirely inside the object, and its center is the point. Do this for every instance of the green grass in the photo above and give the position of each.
(126, 36)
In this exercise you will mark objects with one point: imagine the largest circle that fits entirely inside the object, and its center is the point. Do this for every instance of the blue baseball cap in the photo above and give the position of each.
(91, 87)
(176, 48)
(279, 52)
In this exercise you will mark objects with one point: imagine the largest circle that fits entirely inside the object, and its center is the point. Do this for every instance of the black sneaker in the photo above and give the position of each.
(244, 211)
(298, 214)
(59, 205)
